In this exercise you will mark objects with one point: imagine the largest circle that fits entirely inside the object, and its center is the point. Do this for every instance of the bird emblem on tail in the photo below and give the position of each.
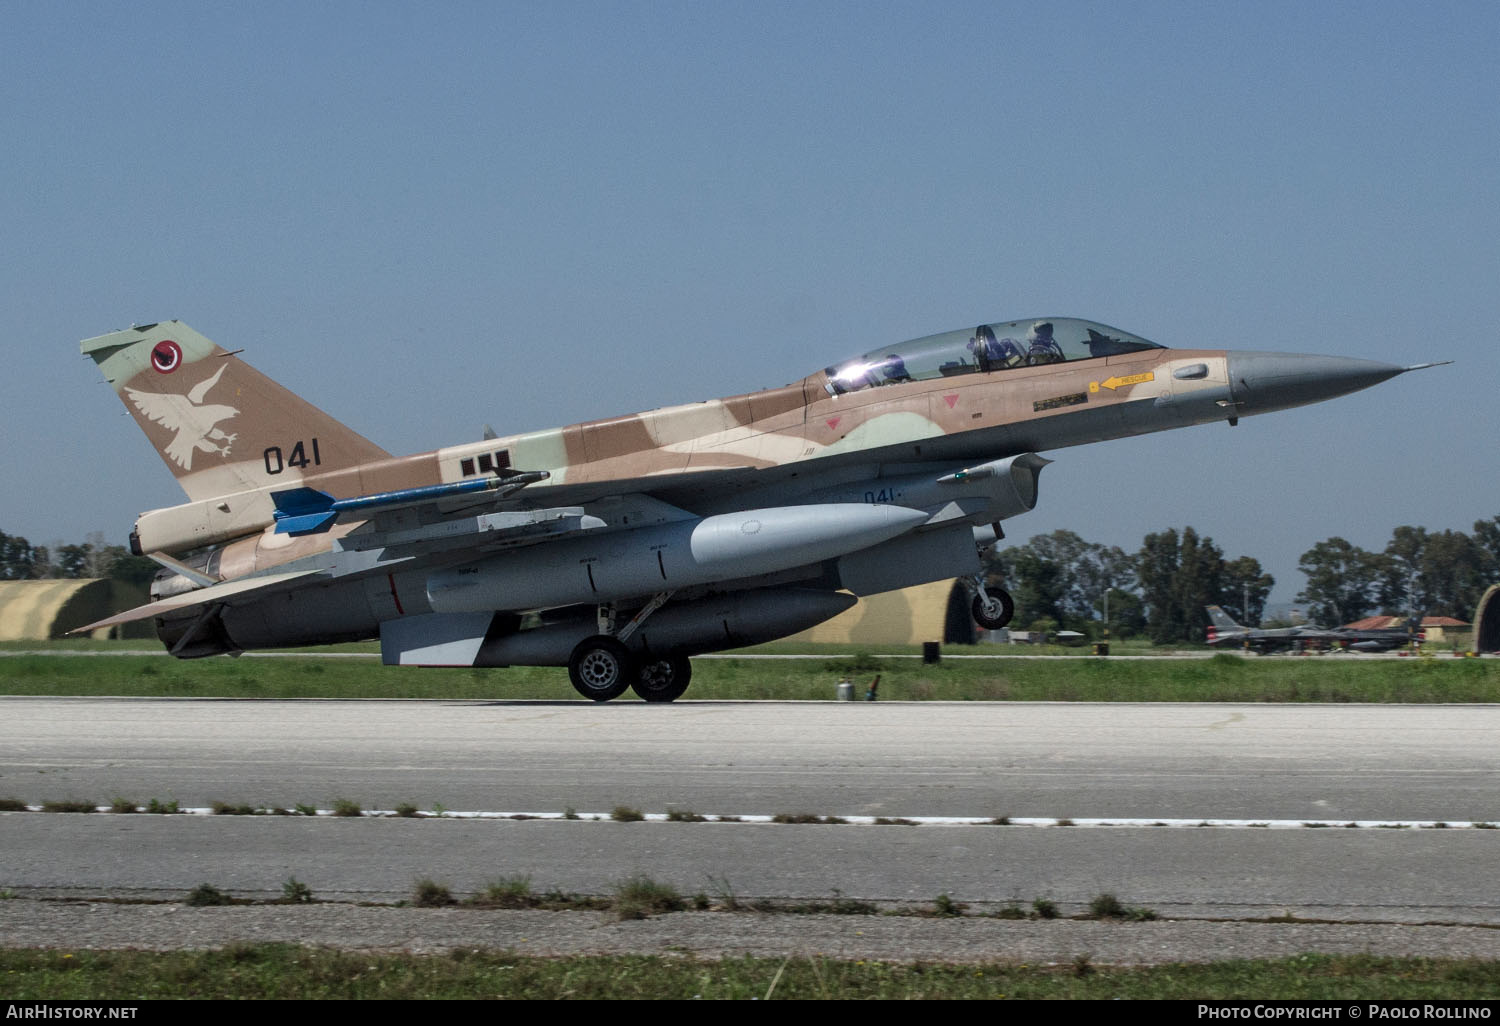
(196, 424)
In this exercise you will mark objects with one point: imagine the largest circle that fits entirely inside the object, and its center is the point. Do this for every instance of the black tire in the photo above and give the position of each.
(601, 668)
(999, 612)
(663, 680)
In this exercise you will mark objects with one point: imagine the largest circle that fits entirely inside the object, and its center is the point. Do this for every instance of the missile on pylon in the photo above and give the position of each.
(300, 511)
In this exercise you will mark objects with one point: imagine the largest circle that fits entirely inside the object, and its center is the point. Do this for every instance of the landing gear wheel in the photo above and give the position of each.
(664, 680)
(601, 668)
(995, 613)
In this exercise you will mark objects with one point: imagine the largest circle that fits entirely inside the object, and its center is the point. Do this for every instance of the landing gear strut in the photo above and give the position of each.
(991, 609)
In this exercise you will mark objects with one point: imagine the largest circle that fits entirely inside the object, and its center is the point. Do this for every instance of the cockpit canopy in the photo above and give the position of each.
(989, 347)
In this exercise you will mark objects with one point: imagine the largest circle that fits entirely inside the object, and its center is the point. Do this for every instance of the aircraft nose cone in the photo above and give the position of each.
(1261, 382)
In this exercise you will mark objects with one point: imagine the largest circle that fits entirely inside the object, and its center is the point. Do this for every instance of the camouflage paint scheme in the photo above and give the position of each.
(798, 423)
(864, 432)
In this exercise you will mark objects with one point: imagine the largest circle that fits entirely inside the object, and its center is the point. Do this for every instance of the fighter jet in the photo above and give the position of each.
(1381, 639)
(622, 547)
(1223, 630)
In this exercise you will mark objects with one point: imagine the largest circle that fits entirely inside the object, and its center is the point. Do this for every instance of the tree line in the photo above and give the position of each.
(1060, 581)
(1434, 573)
(22, 561)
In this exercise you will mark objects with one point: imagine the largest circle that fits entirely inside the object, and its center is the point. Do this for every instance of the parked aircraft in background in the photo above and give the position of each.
(1224, 631)
(621, 547)
(1380, 640)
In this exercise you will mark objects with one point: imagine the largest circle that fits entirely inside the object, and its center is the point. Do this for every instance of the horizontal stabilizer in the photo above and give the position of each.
(202, 597)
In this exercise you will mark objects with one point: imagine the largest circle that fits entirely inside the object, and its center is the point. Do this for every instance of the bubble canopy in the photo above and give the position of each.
(987, 348)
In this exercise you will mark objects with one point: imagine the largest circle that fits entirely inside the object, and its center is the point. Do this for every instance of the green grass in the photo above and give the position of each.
(205, 895)
(1107, 906)
(1222, 678)
(295, 892)
(945, 907)
(507, 892)
(428, 893)
(639, 897)
(808, 817)
(69, 805)
(260, 971)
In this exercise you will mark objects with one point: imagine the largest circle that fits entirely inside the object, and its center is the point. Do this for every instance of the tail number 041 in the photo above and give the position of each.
(298, 457)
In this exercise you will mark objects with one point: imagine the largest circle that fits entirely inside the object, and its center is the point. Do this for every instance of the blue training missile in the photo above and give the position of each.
(302, 511)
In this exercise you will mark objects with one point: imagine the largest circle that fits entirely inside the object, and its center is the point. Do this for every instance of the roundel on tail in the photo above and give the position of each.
(166, 356)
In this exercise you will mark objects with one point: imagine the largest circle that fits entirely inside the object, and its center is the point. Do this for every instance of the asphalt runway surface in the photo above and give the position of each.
(1277, 784)
(1063, 760)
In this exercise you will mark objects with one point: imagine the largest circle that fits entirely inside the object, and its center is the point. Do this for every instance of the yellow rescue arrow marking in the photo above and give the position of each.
(1129, 379)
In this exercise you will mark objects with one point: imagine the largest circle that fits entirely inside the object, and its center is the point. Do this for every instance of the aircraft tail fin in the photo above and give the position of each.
(1222, 620)
(219, 424)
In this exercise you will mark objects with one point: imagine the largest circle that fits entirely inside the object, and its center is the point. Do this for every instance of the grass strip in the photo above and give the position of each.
(1221, 678)
(258, 971)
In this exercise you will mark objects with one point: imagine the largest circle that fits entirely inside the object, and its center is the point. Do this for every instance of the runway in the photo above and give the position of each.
(1061, 760)
(1051, 762)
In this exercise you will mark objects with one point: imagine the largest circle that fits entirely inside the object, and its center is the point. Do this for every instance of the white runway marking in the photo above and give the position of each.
(939, 821)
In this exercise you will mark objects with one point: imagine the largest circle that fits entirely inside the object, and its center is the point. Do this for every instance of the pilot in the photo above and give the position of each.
(1041, 347)
(893, 369)
(851, 377)
(993, 353)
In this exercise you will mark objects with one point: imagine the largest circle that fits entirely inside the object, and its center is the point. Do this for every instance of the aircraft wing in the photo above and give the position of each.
(704, 479)
(433, 524)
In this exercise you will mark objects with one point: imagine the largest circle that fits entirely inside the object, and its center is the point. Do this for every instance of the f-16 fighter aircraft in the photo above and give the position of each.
(621, 547)
(1225, 631)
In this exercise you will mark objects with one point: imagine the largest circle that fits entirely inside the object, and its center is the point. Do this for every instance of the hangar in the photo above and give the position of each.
(1487, 621)
(43, 610)
(929, 612)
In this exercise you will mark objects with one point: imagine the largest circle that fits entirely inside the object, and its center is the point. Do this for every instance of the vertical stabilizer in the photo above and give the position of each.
(219, 424)
(1222, 620)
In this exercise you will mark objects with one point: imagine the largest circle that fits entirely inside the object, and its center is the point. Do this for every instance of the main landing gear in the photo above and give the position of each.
(602, 668)
(992, 609)
(664, 680)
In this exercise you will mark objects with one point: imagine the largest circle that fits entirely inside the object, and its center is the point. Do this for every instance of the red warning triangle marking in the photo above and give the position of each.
(951, 400)
(833, 422)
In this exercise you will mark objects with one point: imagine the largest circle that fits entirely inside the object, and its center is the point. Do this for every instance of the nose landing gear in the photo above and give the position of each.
(991, 609)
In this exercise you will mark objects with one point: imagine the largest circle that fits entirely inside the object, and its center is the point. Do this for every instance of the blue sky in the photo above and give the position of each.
(426, 218)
